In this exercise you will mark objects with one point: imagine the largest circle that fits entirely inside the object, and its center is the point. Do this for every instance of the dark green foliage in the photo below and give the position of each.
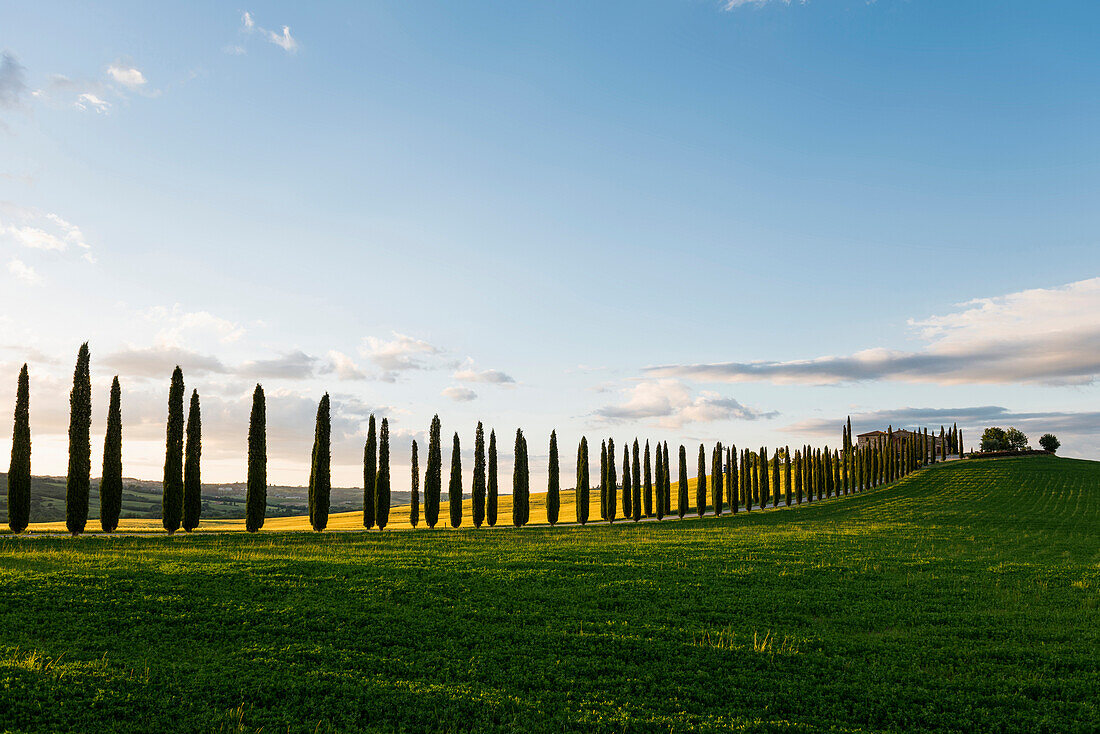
(748, 468)
(110, 483)
(647, 483)
(603, 480)
(172, 498)
(192, 463)
(788, 461)
(382, 480)
(582, 488)
(521, 488)
(370, 473)
(414, 499)
(78, 480)
(320, 470)
(716, 481)
(765, 478)
(635, 481)
(553, 483)
(962, 450)
(682, 506)
(612, 482)
(636, 488)
(433, 475)
(666, 494)
(701, 484)
(454, 487)
(734, 488)
(477, 491)
(493, 486)
(1049, 442)
(659, 488)
(19, 471)
(256, 490)
(627, 483)
(797, 472)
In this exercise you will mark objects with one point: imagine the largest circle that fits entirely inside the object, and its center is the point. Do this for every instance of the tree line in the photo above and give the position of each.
(739, 480)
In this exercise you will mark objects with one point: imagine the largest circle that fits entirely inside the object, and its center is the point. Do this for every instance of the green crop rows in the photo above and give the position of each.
(965, 597)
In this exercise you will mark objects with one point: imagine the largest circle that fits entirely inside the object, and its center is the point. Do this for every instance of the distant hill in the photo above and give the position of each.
(141, 499)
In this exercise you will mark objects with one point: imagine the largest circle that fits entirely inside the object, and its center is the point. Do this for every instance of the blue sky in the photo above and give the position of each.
(682, 220)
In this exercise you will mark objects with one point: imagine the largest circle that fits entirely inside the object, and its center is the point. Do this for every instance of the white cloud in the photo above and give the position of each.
(1042, 335)
(24, 272)
(176, 325)
(87, 101)
(402, 353)
(344, 367)
(467, 373)
(460, 394)
(159, 361)
(126, 75)
(295, 365)
(283, 40)
(674, 404)
(247, 21)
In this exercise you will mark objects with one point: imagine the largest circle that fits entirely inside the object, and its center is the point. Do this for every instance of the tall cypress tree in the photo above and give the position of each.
(414, 499)
(682, 505)
(519, 482)
(636, 485)
(627, 482)
(172, 488)
(701, 484)
(647, 488)
(192, 461)
(787, 466)
(256, 490)
(734, 489)
(320, 470)
(667, 474)
(80, 445)
(454, 487)
(765, 478)
(659, 484)
(382, 480)
(433, 475)
(478, 489)
(628, 487)
(960, 442)
(603, 480)
(110, 483)
(553, 482)
(612, 481)
(749, 470)
(582, 488)
(19, 471)
(370, 473)
(716, 481)
(493, 486)
(797, 477)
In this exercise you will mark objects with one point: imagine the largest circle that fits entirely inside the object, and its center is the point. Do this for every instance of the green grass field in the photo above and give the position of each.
(963, 598)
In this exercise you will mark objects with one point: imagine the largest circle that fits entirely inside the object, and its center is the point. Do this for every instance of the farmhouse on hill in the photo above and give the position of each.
(901, 434)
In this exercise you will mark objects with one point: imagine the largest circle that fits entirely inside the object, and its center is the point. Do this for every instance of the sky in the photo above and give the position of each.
(678, 220)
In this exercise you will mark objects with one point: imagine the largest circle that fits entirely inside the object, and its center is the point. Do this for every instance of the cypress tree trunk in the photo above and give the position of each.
(612, 482)
(636, 485)
(256, 491)
(701, 484)
(382, 480)
(478, 489)
(172, 495)
(682, 489)
(433, 475)
(454, 488)
(370, 473)
(79, 477)
(493, 486)
(110, 483)
(320, 471)
(192, 461)
(627, 481)
(582, 481)
(519, 489)
(19, 471)
(553, 482)
(414, 500)
(603, 480)
(647, 494)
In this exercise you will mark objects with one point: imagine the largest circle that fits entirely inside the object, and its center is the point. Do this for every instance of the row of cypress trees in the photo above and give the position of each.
(783, 479)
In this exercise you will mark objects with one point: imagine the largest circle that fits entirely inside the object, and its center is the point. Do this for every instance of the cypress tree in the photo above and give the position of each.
(192, 460)
(433, 475)
(660, 489)
(733, 488)
(320, 469)
(382, 480)
(478, 489)
(827, 471)
(701, 485)
(627, 482)
(749, 468)
(493, 486)
(19, 471)
(256, 490)
(836, 471)
(519, 479)
(943, 445)
(582, 488)
(414, 499)
(765, 478)
(454, 487)
(681, 508)
(668, 481)
(603, 480)
(787, 475)
(172, 492)
(959, 438)
(612, 481)
(553, 484)
(80, 445)
(110, 483)
(716, 481)
(647, 487)
(370, 473)
(797, 478)
(636, 488)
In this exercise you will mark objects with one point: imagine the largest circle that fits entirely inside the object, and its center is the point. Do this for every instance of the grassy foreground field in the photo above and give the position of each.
(966, 597)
